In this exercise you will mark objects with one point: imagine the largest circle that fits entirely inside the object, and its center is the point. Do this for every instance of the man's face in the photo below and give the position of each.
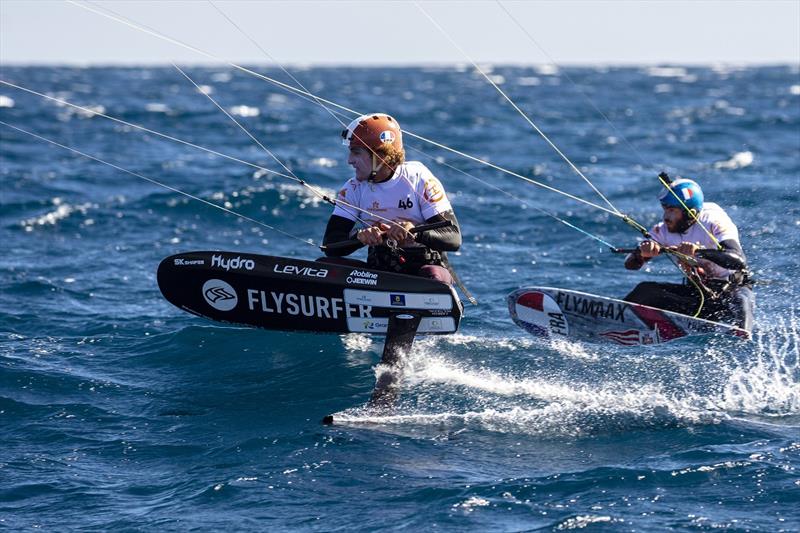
(673, 216)
(361, 160)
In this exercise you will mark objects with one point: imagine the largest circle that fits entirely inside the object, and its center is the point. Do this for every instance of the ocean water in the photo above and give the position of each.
(121, 412)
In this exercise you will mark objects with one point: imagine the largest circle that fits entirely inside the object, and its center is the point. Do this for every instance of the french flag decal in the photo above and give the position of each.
(534, 300)
(687, 194)
(537, 312)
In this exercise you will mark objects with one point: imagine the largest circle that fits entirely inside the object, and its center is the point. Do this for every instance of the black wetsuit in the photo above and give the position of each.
(403, 260)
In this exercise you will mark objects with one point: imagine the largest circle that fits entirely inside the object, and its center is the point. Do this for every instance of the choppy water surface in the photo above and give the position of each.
(120, 411)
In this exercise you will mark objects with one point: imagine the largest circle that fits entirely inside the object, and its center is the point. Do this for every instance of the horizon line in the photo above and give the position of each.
(439, 64)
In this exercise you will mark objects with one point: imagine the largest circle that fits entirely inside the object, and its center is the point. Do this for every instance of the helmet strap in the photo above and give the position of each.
(376, 167)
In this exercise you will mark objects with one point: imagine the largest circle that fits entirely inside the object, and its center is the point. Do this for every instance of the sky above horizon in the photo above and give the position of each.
(352, 32)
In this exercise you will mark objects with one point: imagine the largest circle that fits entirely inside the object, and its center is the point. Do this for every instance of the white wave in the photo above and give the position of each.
(244, 111)
(770, 386)
(724, 69)
(762, 382)
(574, 350)
(357, 342)
(66, 113)
(738, 160)
(569, 409)
(711, 468)
(6, 101)
(515, 343)
(582, 521)
(794, 89)
(62, 211)
(277, 100)
(547, 70)
(157, 108)
(553, 420)
(529, 81)
(477, 341)
(90, 111)
(221, 77)
(725, 106)
(470, 503)
(424, 368)
(666, 72)
(324, 162)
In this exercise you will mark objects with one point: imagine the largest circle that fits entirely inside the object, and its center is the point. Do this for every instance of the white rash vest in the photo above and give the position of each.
(412, 194)
(716, 221)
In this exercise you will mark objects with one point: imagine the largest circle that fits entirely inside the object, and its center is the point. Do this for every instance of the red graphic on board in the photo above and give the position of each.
(667, 330)
(534, 300)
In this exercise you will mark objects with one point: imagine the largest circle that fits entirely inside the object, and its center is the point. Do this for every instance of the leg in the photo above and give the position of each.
(436, 272)
(673, 297)
(743, 304)
(399, 338)
(736, 308)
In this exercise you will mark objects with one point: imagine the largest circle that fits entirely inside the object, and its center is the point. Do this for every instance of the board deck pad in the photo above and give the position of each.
(282, 293)
(572, 315)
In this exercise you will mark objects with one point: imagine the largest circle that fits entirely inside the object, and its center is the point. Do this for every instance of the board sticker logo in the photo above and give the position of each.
(397, 299)
(433, 190)
(628, 337)
(540, 314)
(371, 325)
(219, 295)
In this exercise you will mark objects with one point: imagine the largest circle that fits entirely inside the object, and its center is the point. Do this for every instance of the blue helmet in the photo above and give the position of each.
(689, 192)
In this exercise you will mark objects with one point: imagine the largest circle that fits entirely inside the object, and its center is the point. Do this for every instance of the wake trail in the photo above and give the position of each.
(761, 381)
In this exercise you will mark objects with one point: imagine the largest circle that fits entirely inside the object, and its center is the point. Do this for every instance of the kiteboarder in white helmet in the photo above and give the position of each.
(395, 195)
(380, 135)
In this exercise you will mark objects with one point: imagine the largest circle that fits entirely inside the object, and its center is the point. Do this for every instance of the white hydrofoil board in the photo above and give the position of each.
(572, 315)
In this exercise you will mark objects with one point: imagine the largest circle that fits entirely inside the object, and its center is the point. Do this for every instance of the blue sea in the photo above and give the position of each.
(119, 411)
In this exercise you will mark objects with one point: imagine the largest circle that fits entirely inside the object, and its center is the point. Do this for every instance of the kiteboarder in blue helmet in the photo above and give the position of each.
(705, 241)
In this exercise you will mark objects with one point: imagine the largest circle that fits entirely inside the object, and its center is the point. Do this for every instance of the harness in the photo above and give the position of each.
(392, 258)
(716, 288)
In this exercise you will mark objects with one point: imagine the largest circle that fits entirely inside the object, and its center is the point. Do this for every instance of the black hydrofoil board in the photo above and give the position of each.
(281, 293)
